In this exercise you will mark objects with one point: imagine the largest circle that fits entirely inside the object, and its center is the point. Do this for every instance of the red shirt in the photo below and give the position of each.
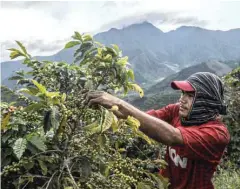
(191, 166)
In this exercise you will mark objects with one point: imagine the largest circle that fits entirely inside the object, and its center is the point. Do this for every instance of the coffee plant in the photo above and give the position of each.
(52, 139)
(232, 120)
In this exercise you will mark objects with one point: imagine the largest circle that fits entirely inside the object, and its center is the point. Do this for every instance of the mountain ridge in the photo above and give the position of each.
(154, 54)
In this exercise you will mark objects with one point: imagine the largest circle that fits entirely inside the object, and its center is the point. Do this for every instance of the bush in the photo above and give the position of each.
(232, 120)
(56, 141)
(227, 176)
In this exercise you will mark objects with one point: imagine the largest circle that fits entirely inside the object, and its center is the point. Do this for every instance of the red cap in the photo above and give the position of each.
(182, 85)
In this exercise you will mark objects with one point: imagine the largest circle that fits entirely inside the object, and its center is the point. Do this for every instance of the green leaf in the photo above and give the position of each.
(20, 73)
(108, 58)
(5, 121)
(84, 168)
(32, 148)
(13, 49)
(22, 47)
(41, 88)
(77, 36)
(25, 90)
(23, 81)
(130, 74)
(108, 120)
(137, 88)
(104, 169)
(89, 85)
(6, 136)
(133, 122)
(102, 140)
(62, 125)
(37, 141)
(29, 165)
(142, 185)
(98, 43)
(116, 48)
(63, 97)
(33, 90)
(145, 137)
(160, 162)
(157, 180)
(121, 150)
(93, 128)
(87, 37)
(165, 181)
(115, 124)
(52, 94)
(16, 78)
(123, 61)
(19, 147)
(15, 54)
(71, 44)
(54, 117)
(43, 167)
(99, 51)
(34, 107)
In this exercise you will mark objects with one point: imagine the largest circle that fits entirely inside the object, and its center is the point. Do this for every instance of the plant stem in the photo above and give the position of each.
(51, 179)
(45, 152)
(71, 175)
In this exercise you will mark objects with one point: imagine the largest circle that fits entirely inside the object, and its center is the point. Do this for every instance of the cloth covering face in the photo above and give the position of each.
(208, 101)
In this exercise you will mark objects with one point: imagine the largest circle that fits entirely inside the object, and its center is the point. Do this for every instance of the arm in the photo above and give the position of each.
(155, 128)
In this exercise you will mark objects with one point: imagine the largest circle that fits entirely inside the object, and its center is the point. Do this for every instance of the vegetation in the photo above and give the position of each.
(51, 139)
(232, 120)
(227, 176)
(55, 140)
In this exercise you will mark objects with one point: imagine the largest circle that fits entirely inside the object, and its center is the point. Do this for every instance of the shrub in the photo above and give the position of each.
(56, 141)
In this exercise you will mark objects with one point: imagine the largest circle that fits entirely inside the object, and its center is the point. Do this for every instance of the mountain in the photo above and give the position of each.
(215, 67)
(154, 54)
(161, 93)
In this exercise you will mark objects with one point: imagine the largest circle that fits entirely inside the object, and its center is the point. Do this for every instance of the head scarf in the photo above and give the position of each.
(208, 101)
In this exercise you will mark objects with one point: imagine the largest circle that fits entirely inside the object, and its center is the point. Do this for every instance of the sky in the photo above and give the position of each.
(44, 27)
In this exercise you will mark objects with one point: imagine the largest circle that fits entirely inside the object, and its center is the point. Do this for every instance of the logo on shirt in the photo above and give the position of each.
(182, 162)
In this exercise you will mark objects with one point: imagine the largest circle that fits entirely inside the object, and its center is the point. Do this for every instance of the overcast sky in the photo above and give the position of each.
(44, 27)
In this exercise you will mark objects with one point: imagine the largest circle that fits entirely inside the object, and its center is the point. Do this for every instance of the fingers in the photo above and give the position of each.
(119, 115)
(98, 101)
(92, 95)
(91, 102)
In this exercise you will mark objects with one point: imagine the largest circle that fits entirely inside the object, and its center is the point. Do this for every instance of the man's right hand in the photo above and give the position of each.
(106, 100)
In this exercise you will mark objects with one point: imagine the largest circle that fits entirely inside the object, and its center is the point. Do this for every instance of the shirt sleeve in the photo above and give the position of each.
(166, 113)
(206, 143)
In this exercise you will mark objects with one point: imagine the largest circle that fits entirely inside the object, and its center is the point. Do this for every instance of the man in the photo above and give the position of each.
(191, 129)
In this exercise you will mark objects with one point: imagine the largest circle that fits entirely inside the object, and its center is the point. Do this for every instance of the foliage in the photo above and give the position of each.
(227, 176)
(232, 120)
(56, 141)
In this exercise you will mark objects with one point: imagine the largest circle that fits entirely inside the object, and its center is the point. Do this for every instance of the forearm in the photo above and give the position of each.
(155, 128)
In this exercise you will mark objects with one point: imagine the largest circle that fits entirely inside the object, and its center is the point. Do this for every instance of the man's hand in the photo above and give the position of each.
(101, 98)
(106, 100)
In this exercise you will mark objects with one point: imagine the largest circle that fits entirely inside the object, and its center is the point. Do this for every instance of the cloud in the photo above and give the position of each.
(156, 18)
(57, 10)
(34, 47)
(23, 4)
(109, 4)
